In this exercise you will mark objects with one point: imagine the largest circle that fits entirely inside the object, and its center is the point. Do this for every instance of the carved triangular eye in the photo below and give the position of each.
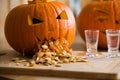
(34, 21)
(62, 15)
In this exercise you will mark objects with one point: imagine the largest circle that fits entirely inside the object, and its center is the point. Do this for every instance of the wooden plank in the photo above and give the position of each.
(59, 73)
(96, 68)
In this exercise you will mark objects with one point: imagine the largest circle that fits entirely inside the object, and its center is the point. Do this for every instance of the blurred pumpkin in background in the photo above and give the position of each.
(102, 15)
(39, 20)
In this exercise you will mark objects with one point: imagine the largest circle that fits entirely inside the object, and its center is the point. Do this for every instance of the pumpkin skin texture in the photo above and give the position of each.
(100, 15)
(27, 24)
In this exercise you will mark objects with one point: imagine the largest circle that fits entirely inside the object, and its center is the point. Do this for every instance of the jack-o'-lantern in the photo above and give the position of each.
(102, 15)
(37, 21)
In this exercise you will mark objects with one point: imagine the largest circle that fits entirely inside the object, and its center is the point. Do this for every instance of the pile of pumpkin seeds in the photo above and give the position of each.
(53, 53)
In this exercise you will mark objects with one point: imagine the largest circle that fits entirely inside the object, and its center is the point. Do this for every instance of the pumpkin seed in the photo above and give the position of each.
(44, 46)
(31, 63)
(53, 62)
(17, 64)
(58, 65)
(56, 42)
(15, 59)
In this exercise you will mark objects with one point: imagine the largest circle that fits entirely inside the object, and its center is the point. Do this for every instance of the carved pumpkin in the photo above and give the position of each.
(102, 15)
(39, 20)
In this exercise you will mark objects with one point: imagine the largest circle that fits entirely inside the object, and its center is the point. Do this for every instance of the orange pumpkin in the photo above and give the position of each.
(102, 15)
(39, 20)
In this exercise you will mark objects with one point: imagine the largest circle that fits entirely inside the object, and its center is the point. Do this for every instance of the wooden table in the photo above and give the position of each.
(96, 68)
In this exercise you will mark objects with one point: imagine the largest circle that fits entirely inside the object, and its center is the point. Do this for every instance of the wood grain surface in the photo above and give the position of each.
(96, 68)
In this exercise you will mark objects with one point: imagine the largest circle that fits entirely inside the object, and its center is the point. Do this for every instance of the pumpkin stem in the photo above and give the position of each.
(37, 1)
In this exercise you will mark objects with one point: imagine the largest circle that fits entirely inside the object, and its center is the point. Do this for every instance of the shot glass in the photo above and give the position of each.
(92, 37)
(113, 42)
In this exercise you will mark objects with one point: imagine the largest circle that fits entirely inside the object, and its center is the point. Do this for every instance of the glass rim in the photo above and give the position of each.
(96, 30)
(113, 30)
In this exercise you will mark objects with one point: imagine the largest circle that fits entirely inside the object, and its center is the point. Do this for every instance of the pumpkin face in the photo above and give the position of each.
(38, 21)
(100, 15)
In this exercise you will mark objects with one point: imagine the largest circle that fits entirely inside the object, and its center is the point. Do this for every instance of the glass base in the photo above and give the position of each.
(118, 54)
(112, 53)
(91, 55)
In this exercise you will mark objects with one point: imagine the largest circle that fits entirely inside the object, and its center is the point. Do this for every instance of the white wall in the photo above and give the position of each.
(3, 13)
(5, 7)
